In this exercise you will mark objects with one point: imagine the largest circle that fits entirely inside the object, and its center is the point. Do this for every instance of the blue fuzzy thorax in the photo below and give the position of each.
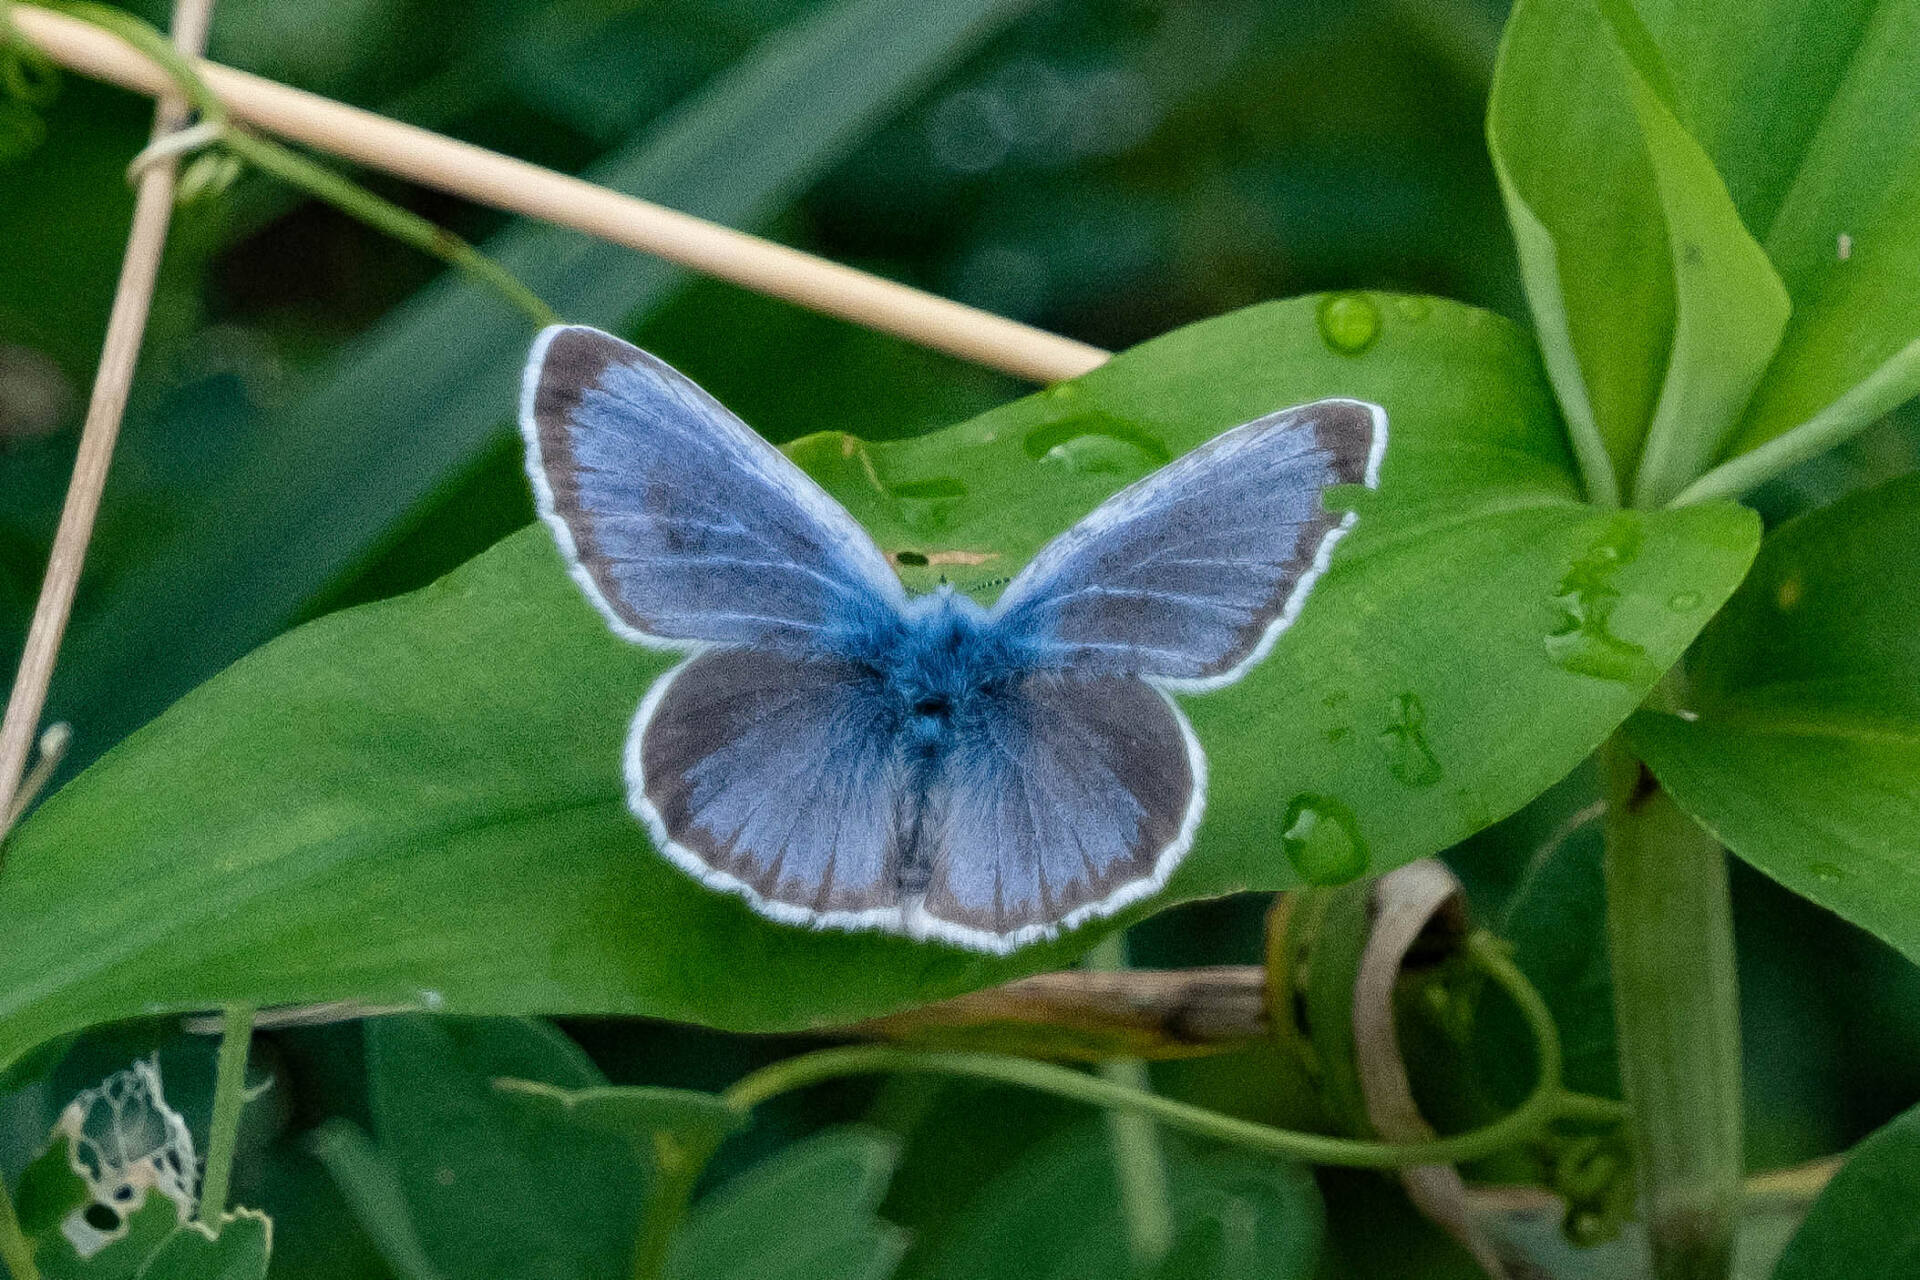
(935, 669)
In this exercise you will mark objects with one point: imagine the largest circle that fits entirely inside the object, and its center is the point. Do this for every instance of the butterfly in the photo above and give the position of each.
(842, 754)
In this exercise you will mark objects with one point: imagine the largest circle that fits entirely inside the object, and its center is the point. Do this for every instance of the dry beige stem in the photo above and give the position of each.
(1090, 1015)
(1406, 901)
(126, 324)
(518, 187)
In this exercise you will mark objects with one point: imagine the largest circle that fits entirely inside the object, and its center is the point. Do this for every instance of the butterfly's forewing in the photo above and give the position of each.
(680, 523)
(1078, 796)
(1188, 576)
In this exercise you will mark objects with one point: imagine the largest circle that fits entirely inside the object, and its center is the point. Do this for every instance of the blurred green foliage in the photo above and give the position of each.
(1106, 168)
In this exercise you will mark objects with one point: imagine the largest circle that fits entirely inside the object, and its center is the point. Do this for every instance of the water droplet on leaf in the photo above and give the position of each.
(1409, 755)
(1097, 444)
(1322, 840)
(927, 506)
(1349, 322)
(1584, 641)
(1098, 454)
(1413, 307)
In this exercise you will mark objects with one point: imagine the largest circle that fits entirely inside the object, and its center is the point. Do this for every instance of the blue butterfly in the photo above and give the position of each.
(844, 755)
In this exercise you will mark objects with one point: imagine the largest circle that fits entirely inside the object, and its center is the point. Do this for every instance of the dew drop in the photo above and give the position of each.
(1584, 641)
(1409, 755)
(1097, 444)
(1413, 307)
(1829, 872)
(1322, 840)
(1098, 455)
(927, 506)
(1684, 602)
(1349, 322)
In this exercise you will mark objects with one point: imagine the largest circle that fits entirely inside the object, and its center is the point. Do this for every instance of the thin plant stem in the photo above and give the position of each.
(383, 215)
(1139, 1164)
(676, 1169)
(1676, 1004)
(1542, 1107)
(126, 325)
(15, 1249)
(297, 171)
(501, 182)
(229, 1100)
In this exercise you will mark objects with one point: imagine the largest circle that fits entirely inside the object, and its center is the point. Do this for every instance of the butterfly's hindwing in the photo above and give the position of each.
(1077, 797)
(774, 777)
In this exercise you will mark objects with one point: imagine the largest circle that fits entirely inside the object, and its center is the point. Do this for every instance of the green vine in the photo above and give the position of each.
(296, 170)
(1548, 1102)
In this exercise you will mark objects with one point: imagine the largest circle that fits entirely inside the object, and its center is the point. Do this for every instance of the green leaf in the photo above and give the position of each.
(367, 1180)
(239, 1252)
(808, 1213)
(1657, 310)
(1805, 757)
(1863, 1226)
(148, 1228)
(1568, 149)
(49, 1190)
(410, 404)
(1055, 1214)
(437, 777)
(1730, 309)
(638, 1114)
(488, 1194)
(1809, 108)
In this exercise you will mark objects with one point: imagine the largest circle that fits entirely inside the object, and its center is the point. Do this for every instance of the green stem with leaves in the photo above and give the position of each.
(1676, 1003)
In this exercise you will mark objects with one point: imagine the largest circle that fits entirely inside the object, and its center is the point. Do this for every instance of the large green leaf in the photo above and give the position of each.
(1657, 310)
(1863, 1226)
(1805, 756)
(1809, 109)
(420, 800)
(316, 487)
